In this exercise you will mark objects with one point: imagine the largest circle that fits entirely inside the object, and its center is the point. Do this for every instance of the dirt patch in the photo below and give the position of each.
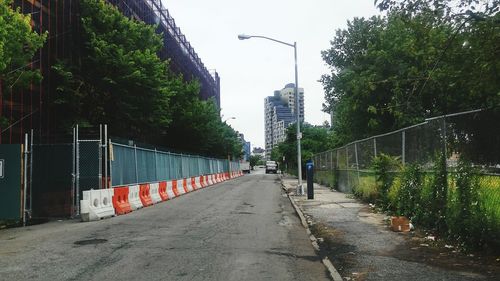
(419, 248)
(416, 248)
(341, 254)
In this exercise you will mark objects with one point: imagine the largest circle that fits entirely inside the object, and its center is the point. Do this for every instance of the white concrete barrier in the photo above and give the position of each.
(170, 191)
(189, 186)
(197, 182)
(133, 197)
(97, 204)
(180, 187)
(208, 180)
(154, 192)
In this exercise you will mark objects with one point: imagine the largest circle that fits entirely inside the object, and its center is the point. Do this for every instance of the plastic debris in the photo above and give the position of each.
(431, 238)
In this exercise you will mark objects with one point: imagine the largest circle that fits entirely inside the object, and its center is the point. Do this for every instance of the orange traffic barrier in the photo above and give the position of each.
(193, 183)
(174, 188)
(185, 185)
(163, 190)
(120, 200)
(202, 181)
(144, 195)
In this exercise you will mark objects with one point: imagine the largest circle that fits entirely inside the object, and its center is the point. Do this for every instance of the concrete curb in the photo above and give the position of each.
(334, 274)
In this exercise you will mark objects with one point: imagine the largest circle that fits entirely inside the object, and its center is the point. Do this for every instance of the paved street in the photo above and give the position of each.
(243, 229)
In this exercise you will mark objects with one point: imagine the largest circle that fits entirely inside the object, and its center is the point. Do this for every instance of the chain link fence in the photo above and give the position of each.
(133, 164)
(473, 135)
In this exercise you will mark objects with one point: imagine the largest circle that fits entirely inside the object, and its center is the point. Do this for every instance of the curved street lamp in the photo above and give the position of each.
(229, 119)
(300, 189)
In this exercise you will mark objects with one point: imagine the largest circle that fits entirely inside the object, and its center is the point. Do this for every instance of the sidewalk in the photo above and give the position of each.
(361, 246)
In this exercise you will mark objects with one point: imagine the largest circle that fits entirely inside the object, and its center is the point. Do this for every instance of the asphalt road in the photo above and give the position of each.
(243, 229)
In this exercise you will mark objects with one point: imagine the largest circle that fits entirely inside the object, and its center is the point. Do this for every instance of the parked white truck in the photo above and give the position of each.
(271, 167)
(245, 167)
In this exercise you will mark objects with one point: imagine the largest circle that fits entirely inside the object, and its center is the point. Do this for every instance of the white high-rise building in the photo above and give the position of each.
(279, 113)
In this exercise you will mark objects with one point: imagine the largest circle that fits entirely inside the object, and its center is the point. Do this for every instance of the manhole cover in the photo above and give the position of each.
(91, 242)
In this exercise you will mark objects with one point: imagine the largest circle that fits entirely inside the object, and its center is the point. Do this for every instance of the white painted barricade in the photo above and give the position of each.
(197, 182)
(180, 187)
(189, 187)
(133, 197)
(170, 191)
(154, 192)
(97, 204)
(208, 180)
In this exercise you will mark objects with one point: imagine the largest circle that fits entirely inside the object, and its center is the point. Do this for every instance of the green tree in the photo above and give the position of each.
(120, 80)
(393, 71)
(18, 44)
(314, 140)
(254, 160)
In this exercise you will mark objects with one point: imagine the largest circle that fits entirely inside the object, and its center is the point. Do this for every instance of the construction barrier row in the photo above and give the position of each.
(103, 203)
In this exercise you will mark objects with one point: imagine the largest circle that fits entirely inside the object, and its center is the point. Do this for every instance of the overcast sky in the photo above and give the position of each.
(251, 70)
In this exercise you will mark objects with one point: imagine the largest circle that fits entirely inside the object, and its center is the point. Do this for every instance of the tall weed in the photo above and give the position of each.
(385, 168)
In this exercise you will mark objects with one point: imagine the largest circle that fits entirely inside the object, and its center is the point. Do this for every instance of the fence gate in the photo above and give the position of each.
(59, 173)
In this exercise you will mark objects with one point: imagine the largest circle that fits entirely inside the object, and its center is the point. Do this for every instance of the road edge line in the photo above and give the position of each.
(334, 274)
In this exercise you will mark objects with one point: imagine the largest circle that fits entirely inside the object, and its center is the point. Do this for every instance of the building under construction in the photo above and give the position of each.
(29, 108)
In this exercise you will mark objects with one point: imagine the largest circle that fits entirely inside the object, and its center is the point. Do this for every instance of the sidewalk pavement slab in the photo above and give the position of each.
(361, 246)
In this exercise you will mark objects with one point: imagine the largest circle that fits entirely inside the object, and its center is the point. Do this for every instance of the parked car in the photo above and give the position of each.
(271, 166)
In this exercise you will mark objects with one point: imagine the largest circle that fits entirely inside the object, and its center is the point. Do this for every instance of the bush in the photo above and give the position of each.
(366, 189)
(466, 221)
(439, 194)
(408, 200)
(385, 168)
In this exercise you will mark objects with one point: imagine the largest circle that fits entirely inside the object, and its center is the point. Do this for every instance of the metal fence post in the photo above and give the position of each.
(374, 147)
(347, 163)
(25, 178)
(31, 172)
(106, 148)
(356, 155)
(99, 147)
(182, 166)
(77, 178)
(331, 160)
(444, 136)
(403, 149)
(73, 174)
(110, 165)
(156, 167)
(135, 160)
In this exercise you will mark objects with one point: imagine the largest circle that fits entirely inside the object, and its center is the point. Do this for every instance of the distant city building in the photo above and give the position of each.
(246, 148)
(279, 113)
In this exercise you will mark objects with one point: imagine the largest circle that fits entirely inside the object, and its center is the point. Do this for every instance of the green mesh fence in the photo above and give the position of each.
(473, 135)
(132, 165)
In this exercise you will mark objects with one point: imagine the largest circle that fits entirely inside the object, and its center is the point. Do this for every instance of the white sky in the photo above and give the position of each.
(251, 70)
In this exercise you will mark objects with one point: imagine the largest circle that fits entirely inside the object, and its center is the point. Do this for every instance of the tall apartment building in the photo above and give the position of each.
(279, 112)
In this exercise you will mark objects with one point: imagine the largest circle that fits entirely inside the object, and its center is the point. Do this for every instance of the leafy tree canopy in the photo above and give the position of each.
(121, 81)
(392, 71)
(18, 44)
(315, 139)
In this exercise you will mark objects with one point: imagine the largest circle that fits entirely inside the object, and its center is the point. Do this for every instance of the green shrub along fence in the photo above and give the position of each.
(444, 174)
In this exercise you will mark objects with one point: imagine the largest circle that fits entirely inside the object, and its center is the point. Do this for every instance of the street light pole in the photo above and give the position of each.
(300, 188)
(299, 135)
